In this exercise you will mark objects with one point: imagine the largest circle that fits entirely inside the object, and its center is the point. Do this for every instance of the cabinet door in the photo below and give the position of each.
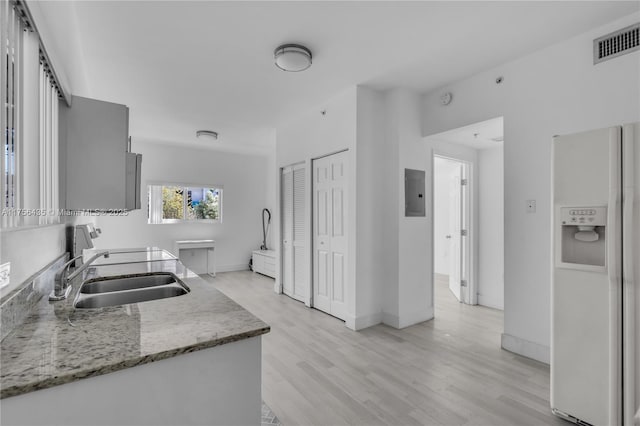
(95, 137)
(132, 189)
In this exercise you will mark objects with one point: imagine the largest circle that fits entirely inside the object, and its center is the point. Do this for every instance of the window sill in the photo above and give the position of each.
(176, 221)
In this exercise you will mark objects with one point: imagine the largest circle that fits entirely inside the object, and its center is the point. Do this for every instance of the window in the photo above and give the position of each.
(171, 203)
(29, 94)
(11, 99)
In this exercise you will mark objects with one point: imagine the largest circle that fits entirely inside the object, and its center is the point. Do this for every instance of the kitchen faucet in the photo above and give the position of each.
(61, 288)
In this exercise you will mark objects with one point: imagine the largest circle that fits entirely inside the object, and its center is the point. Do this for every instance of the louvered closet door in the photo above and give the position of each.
(287, 231)
(329, 234)
(300, 272)
(294, 271)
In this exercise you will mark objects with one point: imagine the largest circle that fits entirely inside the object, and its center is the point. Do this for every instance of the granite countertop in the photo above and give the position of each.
(58, 344)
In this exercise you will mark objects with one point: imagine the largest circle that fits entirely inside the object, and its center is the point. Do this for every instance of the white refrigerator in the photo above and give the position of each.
(595, 269)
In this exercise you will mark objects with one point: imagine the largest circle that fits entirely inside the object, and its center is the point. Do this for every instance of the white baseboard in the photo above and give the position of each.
(407, 320)
(489, 303)
(391, 320)
(232, 268)
(363, 321)
(526, 348)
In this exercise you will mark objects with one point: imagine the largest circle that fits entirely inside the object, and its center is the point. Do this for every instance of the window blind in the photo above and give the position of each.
(10, 92)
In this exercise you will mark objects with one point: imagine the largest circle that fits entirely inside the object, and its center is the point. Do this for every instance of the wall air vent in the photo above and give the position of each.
(617, 43)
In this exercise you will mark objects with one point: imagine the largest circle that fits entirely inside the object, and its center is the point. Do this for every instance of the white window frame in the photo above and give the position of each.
(154, 204)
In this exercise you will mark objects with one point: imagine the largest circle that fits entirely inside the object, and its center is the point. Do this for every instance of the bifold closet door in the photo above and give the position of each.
(294, 272)
(329, 234)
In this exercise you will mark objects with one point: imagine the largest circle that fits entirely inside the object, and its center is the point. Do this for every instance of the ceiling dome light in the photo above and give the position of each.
(292, 57)
(208, 134)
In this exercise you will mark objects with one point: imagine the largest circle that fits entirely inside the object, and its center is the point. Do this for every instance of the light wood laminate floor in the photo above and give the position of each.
(448, 371)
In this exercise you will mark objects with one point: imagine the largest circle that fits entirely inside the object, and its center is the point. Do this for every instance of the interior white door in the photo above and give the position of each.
(294, 273)
(329, 234)
(465, 225)
(299, 245)
(455, 228)
(286, 276)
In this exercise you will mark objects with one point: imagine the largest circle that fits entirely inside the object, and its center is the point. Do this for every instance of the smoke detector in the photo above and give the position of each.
(445, 99)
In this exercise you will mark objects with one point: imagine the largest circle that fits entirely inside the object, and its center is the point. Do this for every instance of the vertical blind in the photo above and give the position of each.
(14, 115)
(10, 93)
(48, 147)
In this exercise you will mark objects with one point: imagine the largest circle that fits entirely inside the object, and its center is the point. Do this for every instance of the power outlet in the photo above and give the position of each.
(5, 271)
(531, 206)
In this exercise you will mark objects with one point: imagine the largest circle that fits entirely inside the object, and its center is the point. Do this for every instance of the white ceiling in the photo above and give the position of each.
(182, 66)
(481, 135)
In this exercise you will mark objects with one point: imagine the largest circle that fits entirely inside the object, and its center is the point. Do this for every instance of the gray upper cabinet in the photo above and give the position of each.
(96, 170)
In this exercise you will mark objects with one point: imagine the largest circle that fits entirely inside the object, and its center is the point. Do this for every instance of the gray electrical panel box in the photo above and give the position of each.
(414, 204)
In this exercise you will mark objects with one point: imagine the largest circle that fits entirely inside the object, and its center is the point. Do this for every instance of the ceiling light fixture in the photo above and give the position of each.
(292, 57)
(209, 134)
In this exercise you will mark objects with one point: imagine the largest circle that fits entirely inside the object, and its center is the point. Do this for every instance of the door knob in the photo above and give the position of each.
(448, 237)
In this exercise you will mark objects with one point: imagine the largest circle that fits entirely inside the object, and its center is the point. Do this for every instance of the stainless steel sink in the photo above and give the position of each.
(104, 285)
(113, 291)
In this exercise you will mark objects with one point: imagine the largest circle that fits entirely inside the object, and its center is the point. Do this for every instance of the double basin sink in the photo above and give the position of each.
(113, 291)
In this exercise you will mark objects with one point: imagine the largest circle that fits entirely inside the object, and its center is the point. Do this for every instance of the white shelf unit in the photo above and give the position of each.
(197, 255)
(264, 262)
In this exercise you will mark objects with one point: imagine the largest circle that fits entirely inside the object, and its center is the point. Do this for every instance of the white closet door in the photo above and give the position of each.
(300, 272)
(287, 231)
(294, 272)
(329, 232)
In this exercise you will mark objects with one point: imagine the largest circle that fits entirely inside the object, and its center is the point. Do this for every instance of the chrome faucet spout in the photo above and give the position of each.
(61, 288)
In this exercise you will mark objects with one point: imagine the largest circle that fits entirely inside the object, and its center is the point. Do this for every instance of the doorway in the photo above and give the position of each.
(476, 154)
(451, 214)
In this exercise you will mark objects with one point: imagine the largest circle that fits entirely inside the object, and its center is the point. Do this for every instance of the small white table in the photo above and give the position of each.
(197, 255)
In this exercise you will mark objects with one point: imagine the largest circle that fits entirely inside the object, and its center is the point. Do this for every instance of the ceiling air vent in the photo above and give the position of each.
(617, 43)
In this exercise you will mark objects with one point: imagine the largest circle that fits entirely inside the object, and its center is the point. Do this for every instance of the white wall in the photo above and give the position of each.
(243, 178)
(557, 90)
(377, 224)
(491, 227)
(30, 249)
(415, 268)
(270, 202)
